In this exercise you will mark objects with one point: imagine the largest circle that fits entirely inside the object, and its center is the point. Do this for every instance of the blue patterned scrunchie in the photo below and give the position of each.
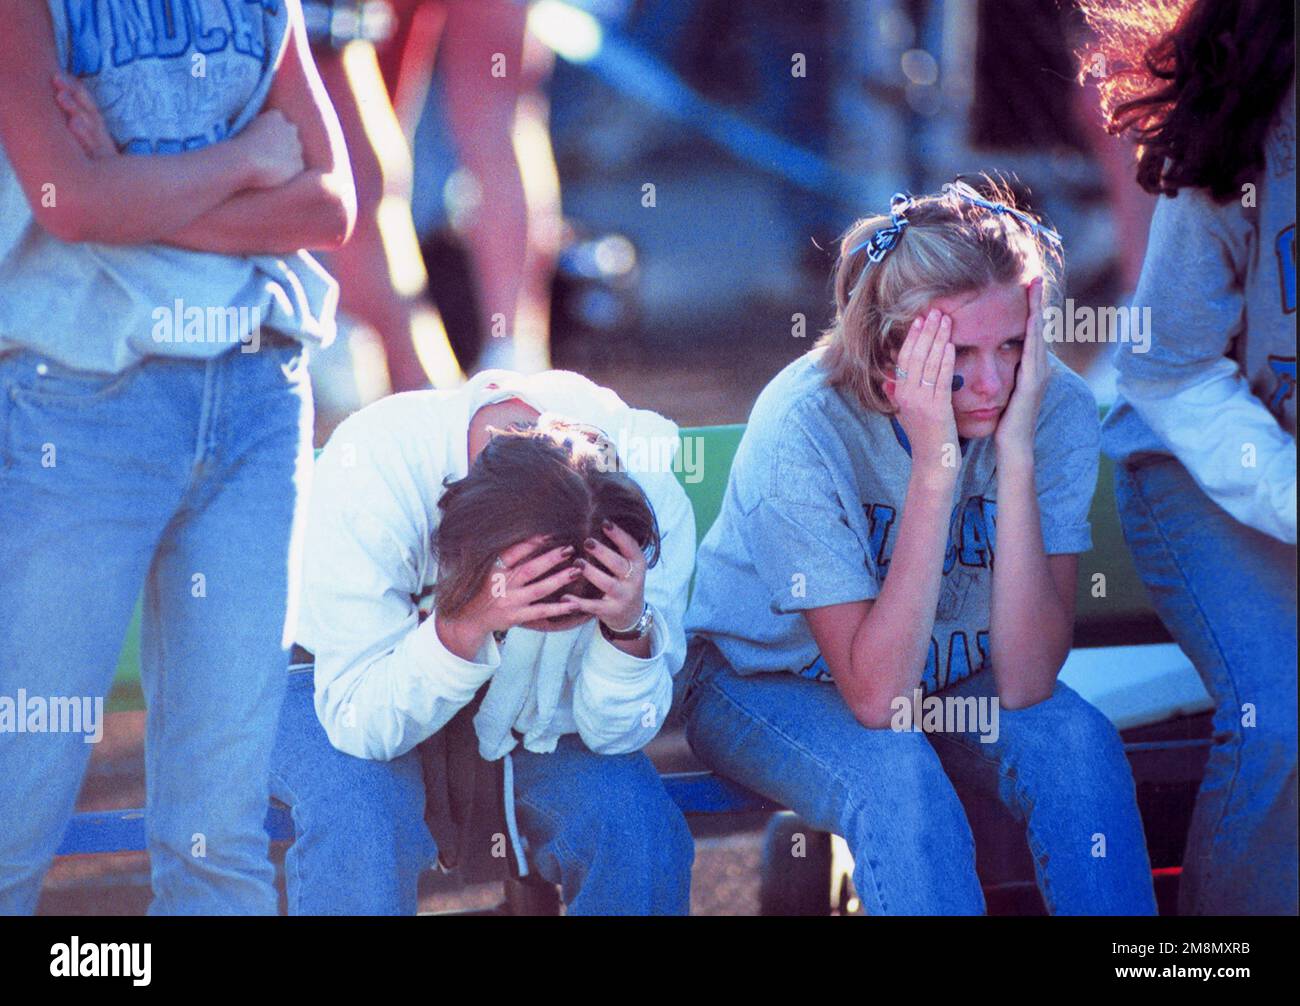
(882, 241)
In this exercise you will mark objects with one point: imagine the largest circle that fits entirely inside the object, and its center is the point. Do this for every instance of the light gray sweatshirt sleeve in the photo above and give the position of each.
(1188, 390)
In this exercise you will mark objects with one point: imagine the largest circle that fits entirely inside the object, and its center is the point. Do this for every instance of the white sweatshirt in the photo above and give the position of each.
(384, 681)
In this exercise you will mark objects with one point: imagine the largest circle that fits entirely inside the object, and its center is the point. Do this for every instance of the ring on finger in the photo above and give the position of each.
(900, 373)
(927, 384)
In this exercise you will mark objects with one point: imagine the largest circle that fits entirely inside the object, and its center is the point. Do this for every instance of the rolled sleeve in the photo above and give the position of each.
(621, 700)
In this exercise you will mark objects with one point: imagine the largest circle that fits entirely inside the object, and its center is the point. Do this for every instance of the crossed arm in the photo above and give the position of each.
(233, 197)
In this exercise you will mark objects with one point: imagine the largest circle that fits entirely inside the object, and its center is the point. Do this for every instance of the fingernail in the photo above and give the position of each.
(590, 543)
(574, 571)
(607, 524)
(579, 563)
(566, 551)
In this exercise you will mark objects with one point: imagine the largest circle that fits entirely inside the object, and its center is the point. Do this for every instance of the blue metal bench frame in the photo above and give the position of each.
(1160, 762)
(124, 830)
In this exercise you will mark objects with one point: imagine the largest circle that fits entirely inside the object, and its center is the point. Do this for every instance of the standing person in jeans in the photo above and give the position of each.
(155, 414)
(510, 550)
(1203, 432)
(852, 568)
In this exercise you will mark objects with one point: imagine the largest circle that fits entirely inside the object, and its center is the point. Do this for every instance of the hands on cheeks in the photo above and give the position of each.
(921, 390)
(1015, 431)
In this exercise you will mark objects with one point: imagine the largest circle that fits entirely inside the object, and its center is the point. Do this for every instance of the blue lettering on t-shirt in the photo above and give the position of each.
(816, 671)
(959, 666)
(83, 25)
(989, 515)
(172, 145)
(207, 38)
(972, 533)
(133, 31)
(933, 678)
(164, 29)
(950, 553)
(880, 519)
(1284, 368)
(976, 541)
(171, 27)
(246, 39)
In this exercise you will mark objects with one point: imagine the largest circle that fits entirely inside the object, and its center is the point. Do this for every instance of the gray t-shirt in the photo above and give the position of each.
(812, 510)
(166, 77)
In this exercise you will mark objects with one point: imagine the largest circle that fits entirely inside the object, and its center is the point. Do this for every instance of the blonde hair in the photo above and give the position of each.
(950, 246)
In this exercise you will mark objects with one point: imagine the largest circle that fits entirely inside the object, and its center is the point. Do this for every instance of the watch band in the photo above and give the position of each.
(637, 630)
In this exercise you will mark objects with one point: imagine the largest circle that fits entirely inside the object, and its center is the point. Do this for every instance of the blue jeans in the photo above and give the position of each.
(1057, 766)
(600, 826)
(1228, 595)
(181, 478)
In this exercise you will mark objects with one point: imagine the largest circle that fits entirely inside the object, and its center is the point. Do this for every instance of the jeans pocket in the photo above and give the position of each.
(39, 379)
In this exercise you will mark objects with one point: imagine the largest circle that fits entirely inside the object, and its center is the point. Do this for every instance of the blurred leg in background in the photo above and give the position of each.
(380, 270)
(492, 74)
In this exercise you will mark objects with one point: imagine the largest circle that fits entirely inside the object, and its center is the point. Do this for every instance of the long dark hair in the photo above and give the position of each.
(525, 483)
(1196, 83)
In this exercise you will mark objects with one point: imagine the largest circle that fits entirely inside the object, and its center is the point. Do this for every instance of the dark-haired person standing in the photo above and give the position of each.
(1204, 430)
(487, 544)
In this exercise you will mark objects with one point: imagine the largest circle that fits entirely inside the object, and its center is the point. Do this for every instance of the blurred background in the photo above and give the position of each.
(709, 152)
(650, 193)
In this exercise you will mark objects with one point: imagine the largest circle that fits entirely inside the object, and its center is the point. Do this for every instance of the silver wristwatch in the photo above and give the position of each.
(637, 630)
